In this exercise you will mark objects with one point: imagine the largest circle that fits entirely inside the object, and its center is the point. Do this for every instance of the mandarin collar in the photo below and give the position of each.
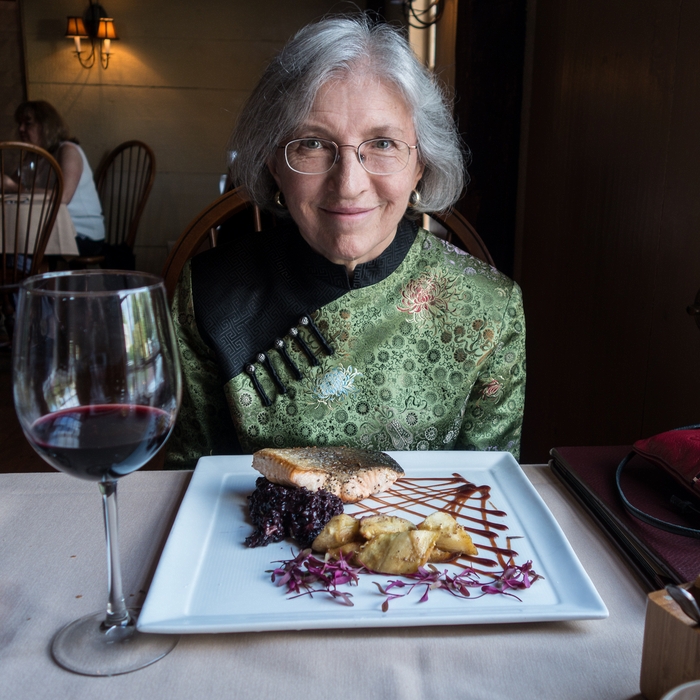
(365, 274)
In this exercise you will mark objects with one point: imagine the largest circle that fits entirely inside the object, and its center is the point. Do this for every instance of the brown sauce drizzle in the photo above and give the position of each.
(468, 503)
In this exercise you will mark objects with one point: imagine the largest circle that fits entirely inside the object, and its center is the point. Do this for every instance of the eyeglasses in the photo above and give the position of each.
(312, 156)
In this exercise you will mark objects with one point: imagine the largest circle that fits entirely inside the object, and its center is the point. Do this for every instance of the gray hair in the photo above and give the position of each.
(332, 49)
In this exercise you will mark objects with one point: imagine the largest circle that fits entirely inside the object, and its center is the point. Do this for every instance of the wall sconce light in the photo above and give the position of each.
(96, 26)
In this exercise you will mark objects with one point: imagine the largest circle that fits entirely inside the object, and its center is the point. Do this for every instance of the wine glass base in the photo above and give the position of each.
(86, 647)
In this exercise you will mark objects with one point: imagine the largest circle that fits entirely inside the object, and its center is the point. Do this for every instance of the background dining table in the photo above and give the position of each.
(53, 570)
(62, 238)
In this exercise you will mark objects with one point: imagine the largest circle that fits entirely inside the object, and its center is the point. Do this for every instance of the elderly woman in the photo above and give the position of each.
(347, 324)
(40, 124)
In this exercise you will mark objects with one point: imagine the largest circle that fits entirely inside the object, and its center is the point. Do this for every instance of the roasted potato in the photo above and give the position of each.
(374, 525)
(338, 531)
(438, 556)
(397, 552)
(440, 521)
(453, 538)
(388, 544)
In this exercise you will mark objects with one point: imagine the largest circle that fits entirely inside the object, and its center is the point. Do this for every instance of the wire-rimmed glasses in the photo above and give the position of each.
(314, 156)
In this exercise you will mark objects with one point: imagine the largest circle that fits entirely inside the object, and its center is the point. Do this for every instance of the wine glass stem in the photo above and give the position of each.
(117, 614)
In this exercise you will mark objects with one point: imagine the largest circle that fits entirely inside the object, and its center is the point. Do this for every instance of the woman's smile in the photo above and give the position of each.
(347, 213)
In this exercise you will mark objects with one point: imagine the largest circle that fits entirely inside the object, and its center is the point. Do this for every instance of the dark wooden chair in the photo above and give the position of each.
(202, 232)
(124, 182)
(29, 210)
(461, 233)
(27, 215)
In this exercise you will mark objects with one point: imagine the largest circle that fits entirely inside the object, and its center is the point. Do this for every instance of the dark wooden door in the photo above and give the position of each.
(609, 248)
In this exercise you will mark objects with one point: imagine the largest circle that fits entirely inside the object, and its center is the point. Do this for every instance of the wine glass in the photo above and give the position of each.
(97, 388)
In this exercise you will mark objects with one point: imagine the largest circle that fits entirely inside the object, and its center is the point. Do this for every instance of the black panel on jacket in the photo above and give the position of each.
(255, 289)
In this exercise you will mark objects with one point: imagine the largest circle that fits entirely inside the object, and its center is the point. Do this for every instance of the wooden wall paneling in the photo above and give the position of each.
(599, 123)
(672, 396)
(490, 47)
(12, 81)
(191, 150)
(187, 136)
(163, 61)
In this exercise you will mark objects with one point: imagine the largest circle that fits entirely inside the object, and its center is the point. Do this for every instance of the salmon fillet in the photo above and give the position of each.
(349, 473)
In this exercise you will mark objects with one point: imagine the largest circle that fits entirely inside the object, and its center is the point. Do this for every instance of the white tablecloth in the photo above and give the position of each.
(62, 238)
(53, 570)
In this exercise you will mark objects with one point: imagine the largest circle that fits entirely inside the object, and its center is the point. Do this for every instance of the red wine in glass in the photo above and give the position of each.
(100, 442)
(97, 389)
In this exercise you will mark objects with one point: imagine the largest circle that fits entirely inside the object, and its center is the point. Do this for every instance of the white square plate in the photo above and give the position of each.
(207, 580)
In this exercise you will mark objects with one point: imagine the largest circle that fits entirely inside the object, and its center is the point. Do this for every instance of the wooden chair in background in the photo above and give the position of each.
(203, 229)
(459, 232)
(124, 182)
(27, 215)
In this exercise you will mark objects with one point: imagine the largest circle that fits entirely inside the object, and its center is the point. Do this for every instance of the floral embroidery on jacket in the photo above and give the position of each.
(336, 384)
(491, 390)
(427, 297)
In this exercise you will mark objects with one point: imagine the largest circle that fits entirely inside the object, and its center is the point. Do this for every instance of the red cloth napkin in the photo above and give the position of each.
(676, 451)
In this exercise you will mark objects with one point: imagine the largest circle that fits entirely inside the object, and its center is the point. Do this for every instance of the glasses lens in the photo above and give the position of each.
(384, 156)
(310, 156)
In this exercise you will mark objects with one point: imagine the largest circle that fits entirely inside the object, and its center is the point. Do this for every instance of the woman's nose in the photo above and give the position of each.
(348, 172)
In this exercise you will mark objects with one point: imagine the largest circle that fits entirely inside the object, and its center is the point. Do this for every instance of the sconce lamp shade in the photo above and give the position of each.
(98, 28)
(105, 29)
(76, 28)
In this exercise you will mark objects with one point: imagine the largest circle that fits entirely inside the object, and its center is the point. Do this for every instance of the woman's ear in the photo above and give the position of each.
(272, 166)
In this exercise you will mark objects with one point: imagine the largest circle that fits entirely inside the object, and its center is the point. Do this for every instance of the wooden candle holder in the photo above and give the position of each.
(671, 652)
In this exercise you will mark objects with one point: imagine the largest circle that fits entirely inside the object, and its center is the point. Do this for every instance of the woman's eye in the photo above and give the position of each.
(311, 144)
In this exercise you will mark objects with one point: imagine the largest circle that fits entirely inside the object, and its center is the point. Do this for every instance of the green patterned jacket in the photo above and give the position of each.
(428, 350)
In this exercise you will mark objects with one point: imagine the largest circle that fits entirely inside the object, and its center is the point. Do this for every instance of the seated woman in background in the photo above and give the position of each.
(347, 324)
(41, 125)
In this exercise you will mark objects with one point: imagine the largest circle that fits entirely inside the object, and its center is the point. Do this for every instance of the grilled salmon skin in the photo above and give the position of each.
(351, 474)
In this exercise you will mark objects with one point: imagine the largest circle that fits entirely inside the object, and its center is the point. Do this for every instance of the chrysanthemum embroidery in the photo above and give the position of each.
(427, 297)
(335, 385)
(491, 390)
